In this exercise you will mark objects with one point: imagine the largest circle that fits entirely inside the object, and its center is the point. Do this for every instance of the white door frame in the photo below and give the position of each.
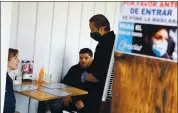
(6, 9)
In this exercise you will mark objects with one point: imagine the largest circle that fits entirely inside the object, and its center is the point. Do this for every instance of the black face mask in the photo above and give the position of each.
(95, 35)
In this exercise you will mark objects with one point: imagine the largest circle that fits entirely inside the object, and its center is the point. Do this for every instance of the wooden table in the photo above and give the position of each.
(43, 96)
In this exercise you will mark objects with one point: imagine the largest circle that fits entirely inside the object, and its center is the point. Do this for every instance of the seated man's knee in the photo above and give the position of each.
(56, 104)
(42, 107)
(42, 104)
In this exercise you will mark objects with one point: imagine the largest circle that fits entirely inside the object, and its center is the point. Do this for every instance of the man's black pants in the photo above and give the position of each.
(56, 106)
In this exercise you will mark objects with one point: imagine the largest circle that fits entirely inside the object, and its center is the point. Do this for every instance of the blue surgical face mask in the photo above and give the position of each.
(159, 48)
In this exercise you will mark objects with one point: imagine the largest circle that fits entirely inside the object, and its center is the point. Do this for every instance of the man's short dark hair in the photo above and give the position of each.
(100, 21)
(86, 50)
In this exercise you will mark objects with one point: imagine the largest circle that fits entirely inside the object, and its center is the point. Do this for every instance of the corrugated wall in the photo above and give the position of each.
(52, 33)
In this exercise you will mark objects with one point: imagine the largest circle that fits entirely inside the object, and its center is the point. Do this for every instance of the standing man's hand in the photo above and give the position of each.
(90, 78)
(83, 76)
(66, 100)
(79, 104)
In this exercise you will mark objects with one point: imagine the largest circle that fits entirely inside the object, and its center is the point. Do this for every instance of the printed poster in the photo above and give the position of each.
(148, 29)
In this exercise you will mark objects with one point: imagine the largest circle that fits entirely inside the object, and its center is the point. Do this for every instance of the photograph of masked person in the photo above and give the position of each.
(157, 41)
(72, 78)
(95, 76)
(9, 100)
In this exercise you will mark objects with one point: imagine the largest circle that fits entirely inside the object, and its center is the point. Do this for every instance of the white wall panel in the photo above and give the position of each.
(117, 17)
(52, 33)
(72, 38)
(99, 9)
(110, 13)
(34, 36)
(43, 35)
(85, 38)
(26, 29)
(26, 24)
(6, 16)
(58, 39)
(14, 25)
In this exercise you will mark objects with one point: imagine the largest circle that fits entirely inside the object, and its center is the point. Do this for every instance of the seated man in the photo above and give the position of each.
(72, 78)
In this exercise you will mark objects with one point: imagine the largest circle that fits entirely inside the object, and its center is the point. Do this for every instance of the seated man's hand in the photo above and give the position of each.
(66, 100)
(79, 104)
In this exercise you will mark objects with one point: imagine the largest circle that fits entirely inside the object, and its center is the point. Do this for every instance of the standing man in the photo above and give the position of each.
(95, 75)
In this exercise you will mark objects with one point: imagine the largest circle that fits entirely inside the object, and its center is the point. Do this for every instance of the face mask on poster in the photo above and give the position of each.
(159, 48)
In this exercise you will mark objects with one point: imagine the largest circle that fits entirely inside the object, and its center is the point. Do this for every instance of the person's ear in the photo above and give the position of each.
(101, 30)
(91, 59)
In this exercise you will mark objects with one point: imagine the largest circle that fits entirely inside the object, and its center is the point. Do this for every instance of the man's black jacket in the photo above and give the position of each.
(100, 65)
(73, 78)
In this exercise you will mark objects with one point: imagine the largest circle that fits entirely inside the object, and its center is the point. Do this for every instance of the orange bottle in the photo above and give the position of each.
(41, 75)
